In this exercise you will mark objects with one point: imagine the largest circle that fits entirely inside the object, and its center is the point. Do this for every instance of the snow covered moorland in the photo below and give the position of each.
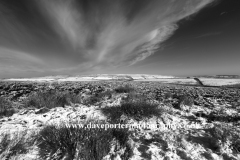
(134, 77)
(219, 82)
(128, 120)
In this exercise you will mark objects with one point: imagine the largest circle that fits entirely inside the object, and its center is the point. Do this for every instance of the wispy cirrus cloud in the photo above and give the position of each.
(209, 34)
(102, 31)
(94, 34)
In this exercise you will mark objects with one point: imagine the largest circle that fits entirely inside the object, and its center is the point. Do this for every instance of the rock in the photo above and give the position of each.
(123, 118)
(2, 120)
(83, 117)
(13, 92)
(87, 91)
(42, 110)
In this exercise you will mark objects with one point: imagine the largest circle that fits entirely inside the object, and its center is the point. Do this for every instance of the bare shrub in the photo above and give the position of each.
(6, 108)
(140, 109)
(5, 141)
(124, 89)
(108, 94)
(168, 95)
(79, 143)
(73, 98)
(51, 99)
(93, 99)
(225, 137)
(133, 96)
(137, 109)
(11, 146)
(186, 100)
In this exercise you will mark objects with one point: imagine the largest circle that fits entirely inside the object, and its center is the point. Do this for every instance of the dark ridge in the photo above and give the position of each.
(199, 82)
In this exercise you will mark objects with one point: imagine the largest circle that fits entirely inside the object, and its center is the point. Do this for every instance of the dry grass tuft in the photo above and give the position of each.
(79, 143)
(124, 89)
(6, 108)
(134, 106)
(225, 138)
(51, 99)
(17, 143)
(93, 99)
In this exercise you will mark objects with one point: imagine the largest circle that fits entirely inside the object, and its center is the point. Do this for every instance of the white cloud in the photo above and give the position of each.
(102, 36)
(209, 34)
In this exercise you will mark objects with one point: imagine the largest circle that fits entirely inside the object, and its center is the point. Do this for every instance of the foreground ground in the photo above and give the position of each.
(42, 121)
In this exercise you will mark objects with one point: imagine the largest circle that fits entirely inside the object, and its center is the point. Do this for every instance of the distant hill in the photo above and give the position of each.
(96, 77)
(220, 76)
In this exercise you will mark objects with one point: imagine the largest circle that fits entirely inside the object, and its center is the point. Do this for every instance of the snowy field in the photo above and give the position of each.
(219, 82)
(134, 77)
(172, 80)
(93, 78)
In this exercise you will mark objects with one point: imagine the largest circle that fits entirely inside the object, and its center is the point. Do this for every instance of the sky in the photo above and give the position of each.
(79, 37)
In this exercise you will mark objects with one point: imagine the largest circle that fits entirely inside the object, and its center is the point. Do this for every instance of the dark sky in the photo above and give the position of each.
(74, 37)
